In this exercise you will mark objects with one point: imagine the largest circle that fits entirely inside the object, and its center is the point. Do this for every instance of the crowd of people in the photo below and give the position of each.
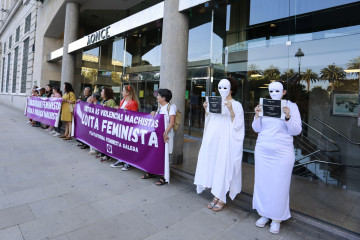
(220, 156)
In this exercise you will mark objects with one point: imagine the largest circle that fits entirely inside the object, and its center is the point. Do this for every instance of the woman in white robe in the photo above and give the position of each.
(274, 161)
(220, 156)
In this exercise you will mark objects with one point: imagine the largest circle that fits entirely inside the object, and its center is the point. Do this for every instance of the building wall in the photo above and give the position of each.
(17, 98)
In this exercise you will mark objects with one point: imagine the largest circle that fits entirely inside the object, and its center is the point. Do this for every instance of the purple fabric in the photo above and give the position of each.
(44, 110)
(132, 137)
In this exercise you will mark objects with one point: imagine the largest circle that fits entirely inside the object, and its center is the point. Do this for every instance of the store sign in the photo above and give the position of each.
(97, 36)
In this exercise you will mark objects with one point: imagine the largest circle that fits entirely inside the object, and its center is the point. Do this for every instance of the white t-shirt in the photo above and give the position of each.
(172, 111)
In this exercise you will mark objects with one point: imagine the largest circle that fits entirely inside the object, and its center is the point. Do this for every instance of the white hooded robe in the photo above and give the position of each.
(220, 156)
(274, 161)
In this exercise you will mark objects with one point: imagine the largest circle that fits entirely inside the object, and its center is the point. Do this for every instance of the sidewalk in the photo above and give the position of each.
(51, 189)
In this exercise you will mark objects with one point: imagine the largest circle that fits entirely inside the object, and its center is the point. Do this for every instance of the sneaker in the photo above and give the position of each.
(105, 159)
(92, 151)
(274, 227)
(28, 122)
(126, 167)
(118, 164)
(261, 222)
(56, 134)
(52, 132)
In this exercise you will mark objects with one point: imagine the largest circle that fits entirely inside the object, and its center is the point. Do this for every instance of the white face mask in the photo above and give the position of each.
(276, 90)
(224, 88)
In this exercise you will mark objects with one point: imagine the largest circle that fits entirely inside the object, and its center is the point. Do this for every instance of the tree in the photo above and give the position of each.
(354, 64)
(288, 74)
(272, 73)
(332, 74)
(309, 76)
(253, 69)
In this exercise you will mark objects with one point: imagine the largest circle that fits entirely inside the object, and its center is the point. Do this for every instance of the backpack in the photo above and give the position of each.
(177, 118)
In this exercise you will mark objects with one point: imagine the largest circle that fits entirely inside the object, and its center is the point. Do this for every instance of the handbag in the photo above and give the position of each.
(71, 106)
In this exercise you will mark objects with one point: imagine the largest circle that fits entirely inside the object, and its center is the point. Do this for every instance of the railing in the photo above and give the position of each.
(337, 132)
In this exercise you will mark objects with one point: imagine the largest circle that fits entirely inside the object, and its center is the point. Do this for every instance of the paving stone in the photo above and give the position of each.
(12, 233)
(14, 216)
(50, 206)
(123, 226)
(59, 224)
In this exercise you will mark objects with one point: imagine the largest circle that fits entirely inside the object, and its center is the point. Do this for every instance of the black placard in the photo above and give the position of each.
(214, 104)
(271, 108)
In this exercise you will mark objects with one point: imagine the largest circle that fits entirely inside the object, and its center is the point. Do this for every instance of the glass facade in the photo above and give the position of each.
(130, 59)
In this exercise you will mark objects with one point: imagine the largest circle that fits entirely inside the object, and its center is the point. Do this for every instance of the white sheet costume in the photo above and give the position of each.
(274, 160)
(220, 156)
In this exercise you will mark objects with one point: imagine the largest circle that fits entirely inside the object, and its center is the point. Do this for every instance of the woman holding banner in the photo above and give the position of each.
(66, 113)
(130, 102)
(56, 93)
(107, 95)
(220, 155)
(274, 161)
(164, 97)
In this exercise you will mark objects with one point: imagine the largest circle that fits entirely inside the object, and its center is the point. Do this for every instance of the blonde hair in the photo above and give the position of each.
(131, 90)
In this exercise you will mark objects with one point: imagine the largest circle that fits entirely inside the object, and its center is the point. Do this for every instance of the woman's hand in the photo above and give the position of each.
(166, 137)
(205, 105)
(229, 105)
(125, 109)
(286, 110)
(116, 107)
(153, 113)
(257, 111)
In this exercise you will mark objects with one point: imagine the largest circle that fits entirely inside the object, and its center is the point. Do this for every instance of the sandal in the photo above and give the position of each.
(161, 182)
(211, 204)
(62, 136)
(147, 175)
(84, 147)
(100, 155)
(67, 138)
(218, 206)
(79, 144)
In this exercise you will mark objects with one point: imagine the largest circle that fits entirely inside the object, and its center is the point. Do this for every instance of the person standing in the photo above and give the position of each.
(87, 94)
(220, 155)
(56, 93)
(130, 102)
(66, 114)
(164, 97)
(274, 161)
(107, 95)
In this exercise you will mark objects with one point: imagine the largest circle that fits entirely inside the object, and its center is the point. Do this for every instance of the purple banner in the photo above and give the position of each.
(133, 137)
(44, 110)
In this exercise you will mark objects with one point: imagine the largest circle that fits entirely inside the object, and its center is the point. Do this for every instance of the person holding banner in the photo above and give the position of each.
(107, 95)
(164, 97)
(56, 93)
(66, 114)
(274, 161)
(220, 155)
(130, 102)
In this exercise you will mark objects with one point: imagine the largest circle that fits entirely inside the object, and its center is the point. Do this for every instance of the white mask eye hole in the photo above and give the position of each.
(277, 91)
(271, 91)
(220, 88)
(225, 88)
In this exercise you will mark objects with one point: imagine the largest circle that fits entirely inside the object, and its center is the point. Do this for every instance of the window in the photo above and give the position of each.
(27, 23)
(4, 47)
(15, 69)
(17, 35)
(2, 75)
(10, 42)
(8, 73)
(24, 65)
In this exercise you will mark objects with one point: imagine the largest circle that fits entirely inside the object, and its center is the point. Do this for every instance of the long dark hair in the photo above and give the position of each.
(109, 93)
(68, 87)
(57, 88)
